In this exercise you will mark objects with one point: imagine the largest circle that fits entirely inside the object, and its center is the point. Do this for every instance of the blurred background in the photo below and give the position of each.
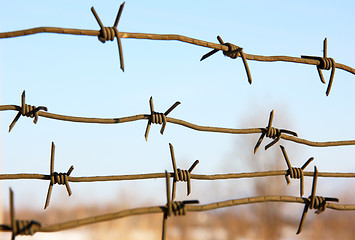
(80, 76)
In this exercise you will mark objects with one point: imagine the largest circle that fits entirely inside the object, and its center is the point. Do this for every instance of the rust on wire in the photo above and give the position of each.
(293, 172)
(324, 63)
(60, 178)
(181, 175)
(317, 202)
(273, 133)
(232, 52)
(268, 131)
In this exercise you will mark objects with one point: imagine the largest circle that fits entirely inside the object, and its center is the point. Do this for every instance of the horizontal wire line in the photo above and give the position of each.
(176, 37)
(179, 122)
(162, 175)
(190, 208)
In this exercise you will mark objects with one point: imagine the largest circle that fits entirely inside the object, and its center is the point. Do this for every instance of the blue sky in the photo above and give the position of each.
(80, 76)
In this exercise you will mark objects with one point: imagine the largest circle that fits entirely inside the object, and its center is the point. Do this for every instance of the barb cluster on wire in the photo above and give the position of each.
(172, 207)
(162, 118)
(229, 49)
(178, 208)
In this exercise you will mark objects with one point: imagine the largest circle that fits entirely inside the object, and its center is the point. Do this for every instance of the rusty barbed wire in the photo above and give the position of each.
(178, 208)
(156, 117)
(26, 110)
(230, 50)
(181, 175)
(60, 178)
(293, 172)
(324, 63)
(110, 33)
(316, 202)
(177, 175)
(273, 133)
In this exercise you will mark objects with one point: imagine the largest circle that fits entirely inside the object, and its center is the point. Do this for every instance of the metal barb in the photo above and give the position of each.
(181, 175)
(295, 172)
(272, 132)
(314, 202)
(109, 33)
(158, 118)
(232, 52)
(60, 178)
(324, 63)
(21, 227)
(26, 110)
(178, 208)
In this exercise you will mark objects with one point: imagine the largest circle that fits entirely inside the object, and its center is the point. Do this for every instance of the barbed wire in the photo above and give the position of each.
(229, 49)
(177, 175)
(178, 208)
(161, 118)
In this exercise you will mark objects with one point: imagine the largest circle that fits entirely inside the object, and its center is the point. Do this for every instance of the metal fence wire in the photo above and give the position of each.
(172, 207)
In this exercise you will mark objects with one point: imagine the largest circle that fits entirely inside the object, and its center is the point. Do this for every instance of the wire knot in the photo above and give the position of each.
(60, 178)
(233, 52)
(27, 111)
(326, 64)
(295, 172)
(178, 208)
(182, 175)
(110, 33)
(26, 227)
(158, 118)
(271, 132)
(319, 204)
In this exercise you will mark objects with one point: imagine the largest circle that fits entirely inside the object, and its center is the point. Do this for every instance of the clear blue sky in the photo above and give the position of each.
(80, 76)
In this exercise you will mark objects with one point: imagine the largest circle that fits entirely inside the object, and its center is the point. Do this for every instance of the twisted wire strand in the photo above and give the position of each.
(165, 37)
(283, 135)
(24, 176)
(188, 208)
